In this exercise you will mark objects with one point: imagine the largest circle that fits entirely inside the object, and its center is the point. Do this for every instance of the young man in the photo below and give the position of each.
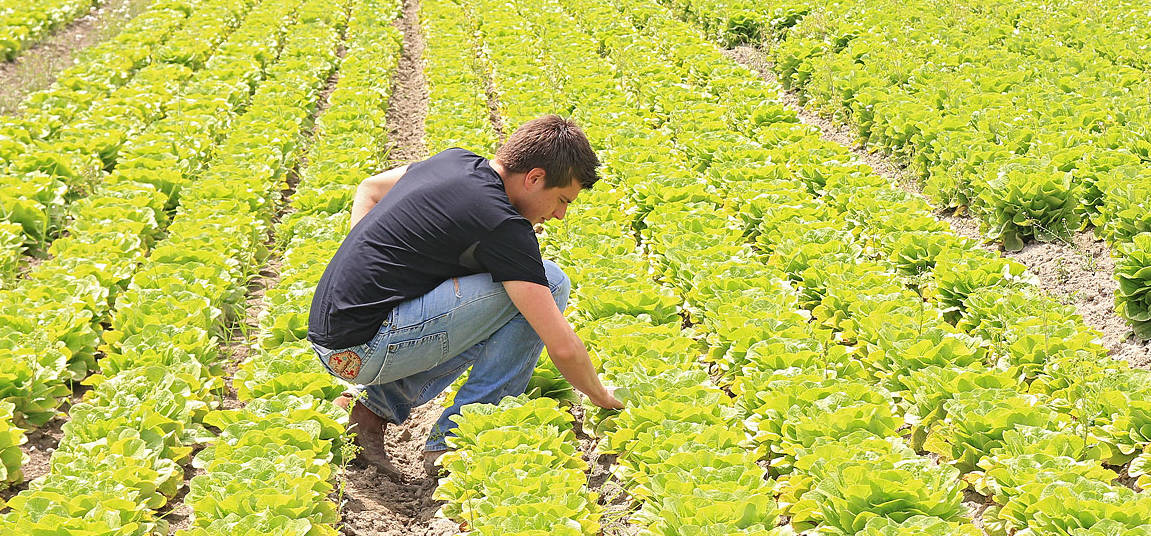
(442, 271)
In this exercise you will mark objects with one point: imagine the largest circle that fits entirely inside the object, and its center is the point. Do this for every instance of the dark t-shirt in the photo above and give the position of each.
(448, 216)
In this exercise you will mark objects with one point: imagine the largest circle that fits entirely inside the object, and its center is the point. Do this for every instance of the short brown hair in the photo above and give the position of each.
(555, 144)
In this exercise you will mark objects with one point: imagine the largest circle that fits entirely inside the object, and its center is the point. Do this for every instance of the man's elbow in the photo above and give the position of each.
(368, 192)
(567, 352)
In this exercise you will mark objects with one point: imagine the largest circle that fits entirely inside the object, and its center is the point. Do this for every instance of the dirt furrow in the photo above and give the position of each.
(43, 441)
(1078, 272)
(37, 67)
(374, 504)
(408, 104)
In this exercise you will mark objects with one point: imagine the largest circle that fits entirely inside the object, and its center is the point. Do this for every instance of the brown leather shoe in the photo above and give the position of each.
(369, 429)
(430, 467)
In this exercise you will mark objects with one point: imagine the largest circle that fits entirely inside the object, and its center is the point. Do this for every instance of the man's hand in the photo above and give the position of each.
(610, 402)
(372, 190)
(567, 351)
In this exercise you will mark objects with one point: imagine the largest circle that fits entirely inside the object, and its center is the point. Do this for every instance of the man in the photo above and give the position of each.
(442, 271)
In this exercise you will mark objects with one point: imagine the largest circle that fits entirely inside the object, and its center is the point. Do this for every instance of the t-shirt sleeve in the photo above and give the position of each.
(512, 253)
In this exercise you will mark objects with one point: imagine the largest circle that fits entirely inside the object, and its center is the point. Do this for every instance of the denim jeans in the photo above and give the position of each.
(425, 343)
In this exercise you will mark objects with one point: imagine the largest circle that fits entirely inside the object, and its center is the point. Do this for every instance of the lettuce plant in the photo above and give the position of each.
(842, 484)
(918, 525)
(1070, 503)
(12, 459)
(1133, 296)
(291, 368)
(1123, 208)
(1108, 527)
(924, 392)
(1004, 476)
(787, 414)
(1140, 469)
(11, 251)
(29, 380)
(705, 504)
(977, 420)
(237, 525)
(520, 437)
(126, 458)
(106, 509)
(957, 276)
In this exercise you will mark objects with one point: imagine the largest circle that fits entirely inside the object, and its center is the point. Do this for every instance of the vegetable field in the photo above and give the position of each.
(805, 345)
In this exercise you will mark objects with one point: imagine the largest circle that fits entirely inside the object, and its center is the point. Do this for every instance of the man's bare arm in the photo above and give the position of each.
(372, 190)
(566, 349)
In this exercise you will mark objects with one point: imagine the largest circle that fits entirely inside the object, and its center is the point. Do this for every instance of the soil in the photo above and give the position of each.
(177, 513)
(374, 504)
(976, 504)
(370, 502)
(617, 504)
(42, 442)
(37, 67)
(1078, 272)
(408, 105)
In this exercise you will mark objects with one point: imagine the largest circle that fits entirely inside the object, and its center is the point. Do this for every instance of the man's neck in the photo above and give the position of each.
(499, 169)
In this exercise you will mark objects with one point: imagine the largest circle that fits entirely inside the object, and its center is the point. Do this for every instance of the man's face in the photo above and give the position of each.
(540, 204)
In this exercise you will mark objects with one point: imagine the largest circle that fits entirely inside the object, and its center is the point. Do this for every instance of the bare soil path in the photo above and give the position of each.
(1078, 272)
(37, 67)
(408, 105)
(373, 504)
(376, 505)
(42, 442)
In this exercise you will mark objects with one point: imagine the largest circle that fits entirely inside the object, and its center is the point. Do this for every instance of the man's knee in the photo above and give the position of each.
(559, 283)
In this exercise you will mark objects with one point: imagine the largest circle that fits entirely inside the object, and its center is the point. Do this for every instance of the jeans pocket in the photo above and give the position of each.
(406, 358)
(355, 364)
(322, 355)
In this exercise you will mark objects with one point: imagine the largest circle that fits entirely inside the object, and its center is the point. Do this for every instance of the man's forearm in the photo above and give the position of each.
(567, 351)
(576, 366)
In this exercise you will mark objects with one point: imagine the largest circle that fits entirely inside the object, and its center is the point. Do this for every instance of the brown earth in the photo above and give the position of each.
(408, 105)
(37, 67)
(616, 502)
(1078, 272)
(375, 505)
(43, 441)
(370, 502)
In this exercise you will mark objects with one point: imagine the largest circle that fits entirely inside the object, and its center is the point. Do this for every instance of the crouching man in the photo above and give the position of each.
(441, 272)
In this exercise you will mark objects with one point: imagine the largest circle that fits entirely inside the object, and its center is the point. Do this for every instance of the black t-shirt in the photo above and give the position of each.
(448, 216)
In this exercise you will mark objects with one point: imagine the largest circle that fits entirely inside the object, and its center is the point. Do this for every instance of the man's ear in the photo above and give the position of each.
(534, 178)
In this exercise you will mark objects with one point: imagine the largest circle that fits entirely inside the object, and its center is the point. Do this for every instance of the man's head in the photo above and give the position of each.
(545, 163)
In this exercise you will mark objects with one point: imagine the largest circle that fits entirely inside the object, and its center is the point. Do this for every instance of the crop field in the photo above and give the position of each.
(863, 268)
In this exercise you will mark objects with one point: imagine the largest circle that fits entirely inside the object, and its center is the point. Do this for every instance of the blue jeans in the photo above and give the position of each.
(425, 343)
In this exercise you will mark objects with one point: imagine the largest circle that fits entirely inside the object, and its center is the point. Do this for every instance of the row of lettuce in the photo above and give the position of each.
(854, 330)
(271, 469)
(52, 319)
(69, 135)
(123, 446)
(1053, 382)
(23, 25)
(1035, 118)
